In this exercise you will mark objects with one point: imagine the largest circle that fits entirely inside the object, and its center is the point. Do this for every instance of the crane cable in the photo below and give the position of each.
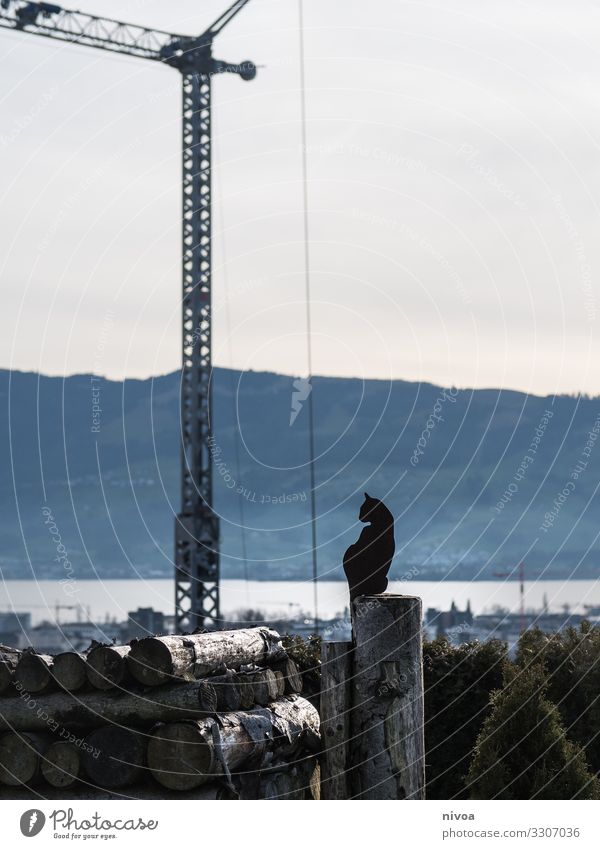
(311, 430)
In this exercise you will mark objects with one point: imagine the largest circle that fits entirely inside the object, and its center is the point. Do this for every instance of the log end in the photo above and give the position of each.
(105, 668)
(33, 673)
(150, 662)
(114, 756)
(180, 756)
(69, 671)
(61, 764)
(19, 759)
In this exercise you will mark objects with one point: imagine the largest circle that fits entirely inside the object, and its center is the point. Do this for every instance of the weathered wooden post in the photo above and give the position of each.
(386, 728)
(336, 674)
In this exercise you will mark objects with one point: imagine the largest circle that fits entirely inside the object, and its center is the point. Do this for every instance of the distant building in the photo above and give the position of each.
(143, 622)
(455, 624)
(15, 621)
(13, 629)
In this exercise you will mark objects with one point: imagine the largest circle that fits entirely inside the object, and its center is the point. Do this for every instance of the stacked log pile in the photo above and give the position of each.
(215, 715)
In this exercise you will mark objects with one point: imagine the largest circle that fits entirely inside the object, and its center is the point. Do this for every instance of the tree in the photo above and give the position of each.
(522, 751)
(571, 660)
(458, 683)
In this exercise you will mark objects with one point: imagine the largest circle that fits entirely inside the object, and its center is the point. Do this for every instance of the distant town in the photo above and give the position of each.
(458, 626)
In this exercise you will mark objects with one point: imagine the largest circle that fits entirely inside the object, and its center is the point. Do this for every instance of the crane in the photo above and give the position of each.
(196, 526)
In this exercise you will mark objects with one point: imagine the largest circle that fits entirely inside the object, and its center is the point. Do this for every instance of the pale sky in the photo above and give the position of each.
(454, 194)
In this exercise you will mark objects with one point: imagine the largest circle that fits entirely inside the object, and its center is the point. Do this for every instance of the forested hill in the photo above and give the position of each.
(477, 479)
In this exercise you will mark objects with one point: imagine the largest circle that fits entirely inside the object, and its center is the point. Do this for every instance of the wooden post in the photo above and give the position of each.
(387, 744)
(336, 674)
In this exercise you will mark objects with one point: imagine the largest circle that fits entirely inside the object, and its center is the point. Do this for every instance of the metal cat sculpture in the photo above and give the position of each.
(367, 561)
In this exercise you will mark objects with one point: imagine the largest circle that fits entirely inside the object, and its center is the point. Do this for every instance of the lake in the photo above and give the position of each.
(113, 599)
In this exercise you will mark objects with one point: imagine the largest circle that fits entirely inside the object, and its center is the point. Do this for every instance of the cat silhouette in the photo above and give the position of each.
(367, 561)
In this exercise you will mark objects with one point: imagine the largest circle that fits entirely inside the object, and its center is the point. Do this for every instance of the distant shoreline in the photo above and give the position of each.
(271, 579)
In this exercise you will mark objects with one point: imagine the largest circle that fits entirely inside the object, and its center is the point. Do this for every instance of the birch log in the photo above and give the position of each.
(87, 710)
(291, 675)
(9, 652)
(155, 660)
(280, 682)
(34, 672)
(7, 671)
(184, 755)
(388, 751)
(336, 674)
(61, 764)
(247, 698)
(69, 670)
(264, 684)
(107, 666)
(20, 757)
(227, 690)
(297, 781)
(8, 663)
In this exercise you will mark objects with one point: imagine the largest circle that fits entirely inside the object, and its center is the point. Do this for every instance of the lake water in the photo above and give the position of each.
(114, 599)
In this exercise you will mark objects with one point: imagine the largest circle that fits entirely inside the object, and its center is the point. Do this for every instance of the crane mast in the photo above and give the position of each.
(196, 526)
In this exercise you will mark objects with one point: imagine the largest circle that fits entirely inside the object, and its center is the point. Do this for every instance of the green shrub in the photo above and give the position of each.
(458, 683)
(522, 751)
(494, 728)
(307, 656)
(571, 660)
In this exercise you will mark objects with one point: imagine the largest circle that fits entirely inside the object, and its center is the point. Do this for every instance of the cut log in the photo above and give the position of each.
(297, 781)
(7, 673)
(8, 663)
(9, 652)
(147, 790)
(246, 689)
(34, 672)
(114, 757)
(69, 670)
(184, 755)
(264, 684)
(87, 710)
(61, 764)
(336, 700)
(181, 755)
(227, 689)
(291, 675)
(107, 666)
(280, 680)
(388, 751)
(20, 757)
(296, 727)
(155, 660)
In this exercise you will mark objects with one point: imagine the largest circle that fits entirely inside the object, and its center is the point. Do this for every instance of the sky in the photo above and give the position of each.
(454, 192)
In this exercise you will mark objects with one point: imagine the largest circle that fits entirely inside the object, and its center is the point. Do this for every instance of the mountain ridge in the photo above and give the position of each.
(114, 493)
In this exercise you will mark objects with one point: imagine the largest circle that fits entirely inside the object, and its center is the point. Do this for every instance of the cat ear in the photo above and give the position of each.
(366, 494)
